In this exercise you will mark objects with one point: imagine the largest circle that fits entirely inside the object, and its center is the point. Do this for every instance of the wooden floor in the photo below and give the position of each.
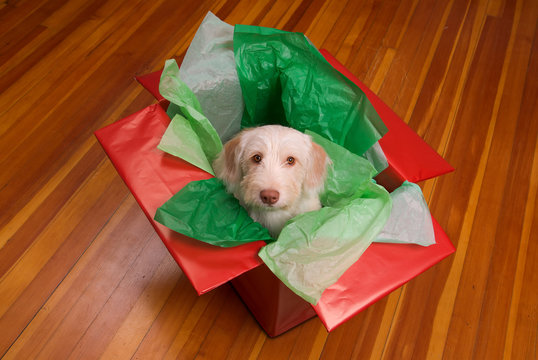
(83, 274)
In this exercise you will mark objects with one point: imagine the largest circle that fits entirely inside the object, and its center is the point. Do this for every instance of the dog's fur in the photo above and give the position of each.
(275, 172)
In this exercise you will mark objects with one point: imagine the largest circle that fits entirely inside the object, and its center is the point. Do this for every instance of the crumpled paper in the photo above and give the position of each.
(209, 79)
(410, 221)
(285, 80)
(208, 69)
(204, 211)
(190, 135)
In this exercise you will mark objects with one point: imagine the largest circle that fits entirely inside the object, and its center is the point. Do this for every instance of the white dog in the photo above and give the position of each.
(275, 172)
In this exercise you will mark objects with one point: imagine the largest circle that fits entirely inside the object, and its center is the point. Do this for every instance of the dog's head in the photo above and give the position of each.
(272, 167)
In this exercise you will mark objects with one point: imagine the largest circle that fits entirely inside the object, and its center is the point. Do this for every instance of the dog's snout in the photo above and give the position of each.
(269, 197)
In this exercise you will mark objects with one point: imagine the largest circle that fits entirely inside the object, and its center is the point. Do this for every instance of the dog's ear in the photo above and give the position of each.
(317, 168)
(227, 166)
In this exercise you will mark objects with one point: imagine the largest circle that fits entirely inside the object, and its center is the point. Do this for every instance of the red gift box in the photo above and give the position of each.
(154, 176)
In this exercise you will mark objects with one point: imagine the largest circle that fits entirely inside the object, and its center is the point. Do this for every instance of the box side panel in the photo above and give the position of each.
(276, 308)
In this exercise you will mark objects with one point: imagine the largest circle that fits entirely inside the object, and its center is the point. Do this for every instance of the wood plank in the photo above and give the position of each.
(454, 55)
(34, 217)
(357, 338)
(419, 70)
(13, 14)
(511, 97)
(161, 336)
(293, 8)
(279, 347)
(95, 335)
(313, 336)
(241, 11)
(18, 73)
(248, 342)
(525, 336)
(523, 315)
(277, 13)
(99, 265)
(133, 326)
(418, 32)
(370, 41)
(329, 15)
(102, 78)
(225, 328)
(194, 317)
(503, 264)
(417, 64)
(84, 320)
(304, 15)
(45, 133)
(31, 262)
(348, 22)
(400, 23)
(435, 350)
(469, 302)
(378, 72)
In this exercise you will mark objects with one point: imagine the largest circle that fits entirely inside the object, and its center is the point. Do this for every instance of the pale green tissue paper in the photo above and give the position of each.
(190, 135)
(189, 148)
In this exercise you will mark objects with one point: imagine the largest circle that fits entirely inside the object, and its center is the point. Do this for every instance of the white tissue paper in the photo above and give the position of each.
(208, 69)
(376, 157)
(410, 221)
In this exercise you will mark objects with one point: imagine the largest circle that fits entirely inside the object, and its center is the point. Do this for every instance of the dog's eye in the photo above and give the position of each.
(257, 158)
(290, 160)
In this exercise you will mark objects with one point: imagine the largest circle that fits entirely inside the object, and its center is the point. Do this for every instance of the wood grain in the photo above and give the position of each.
(82, 272)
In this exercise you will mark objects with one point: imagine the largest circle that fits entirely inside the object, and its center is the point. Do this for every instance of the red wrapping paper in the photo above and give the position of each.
(380, 270)
(153, 177)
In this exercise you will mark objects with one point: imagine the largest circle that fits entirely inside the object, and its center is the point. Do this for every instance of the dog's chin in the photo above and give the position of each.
(266, 207)
(272, 217)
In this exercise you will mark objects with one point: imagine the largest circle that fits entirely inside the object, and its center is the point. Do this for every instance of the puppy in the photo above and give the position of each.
(275, 172)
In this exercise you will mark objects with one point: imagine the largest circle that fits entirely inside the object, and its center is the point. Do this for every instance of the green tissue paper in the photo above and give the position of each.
(204, 211)
(285, 80)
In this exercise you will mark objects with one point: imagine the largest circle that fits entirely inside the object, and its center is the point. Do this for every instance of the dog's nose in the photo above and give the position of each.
(269, 197)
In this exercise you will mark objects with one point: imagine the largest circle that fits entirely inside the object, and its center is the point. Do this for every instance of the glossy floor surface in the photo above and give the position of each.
(82, 272)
